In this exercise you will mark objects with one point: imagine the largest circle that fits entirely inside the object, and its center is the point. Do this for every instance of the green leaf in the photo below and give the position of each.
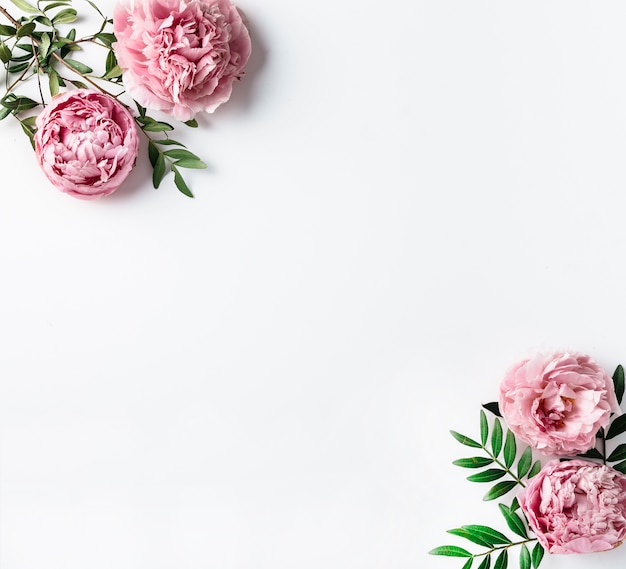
(95, 8)
(4, 112)
(5, 53)
(493, 407)
(78, 66)
(514, 505)
(510, 449)
(169, 141)
(30, 122)
(618, 383)
(79, 84)
(487, 475)
(181, 154)
(194, 164)
(474, 462)
(468, 563)
(43, 20)
(17, 68)
(621, 466)
(26, 30)
(111, 61)
(499, 489)
(484, 428)
(486, 562)
(30, 133)
(106, 39)
(44, 46)
(26, 47)
(157, 126)
(55, 5)
(524, 557)
(450, 551)
(193, 123)
(180, 183)
(514, 522)
(592, 453)
(537, 555)
(523, 465)
(535, 469)
(159, 171)
(475, 538)
(502, 561)
(25, 6)
(7, 30)
(153, 153)
(71, 35)
(491, 536)
(115, 71)
(618, 454)
(66, 16)
(53, 82)
(465, 440)
(617, 427)
(496, 438)
(18, 104)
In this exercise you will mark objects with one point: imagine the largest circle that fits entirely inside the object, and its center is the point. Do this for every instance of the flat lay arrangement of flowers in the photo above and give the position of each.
(175, 58)
(549, 450)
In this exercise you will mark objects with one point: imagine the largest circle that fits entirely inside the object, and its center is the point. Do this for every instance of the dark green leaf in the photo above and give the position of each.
(80, 67)
(499, 489)
(617, 427)
(618, 383)
(465, 440)
(450, 551)
(111, 61)
(153, 153)
(5, 52)
(484, 428)
(474, 462)
(193, 123)
(514, 505)
(461, 532)
(169, 141)
(592, 453)
(524, 557)
(487, 475)
(180, 183)
(25, 47)
(537, 555)
(496, 437)
(514, 522)
(66, 16)
(468, 563)
(535, 469)
(621, 466)
(23, 104)
(502, 561)
(523, 465)
(510, 449)
(25, 6)
(79, 84)
(25, 30)
(493, 407)
(7, 30)
(95, 8)
(43, 20)
(486, 562)
(618, 454)
(25, 57)
(142, 110)
(159, 171)
(71, 35)
(489, 535)
(30, 133)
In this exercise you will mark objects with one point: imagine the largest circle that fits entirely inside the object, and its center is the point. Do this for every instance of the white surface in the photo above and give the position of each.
(403, 200)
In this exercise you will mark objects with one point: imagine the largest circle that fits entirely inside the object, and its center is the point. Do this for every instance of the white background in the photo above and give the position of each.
(403, 200)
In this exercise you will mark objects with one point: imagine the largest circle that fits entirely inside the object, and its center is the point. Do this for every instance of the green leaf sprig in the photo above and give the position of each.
(38, 45)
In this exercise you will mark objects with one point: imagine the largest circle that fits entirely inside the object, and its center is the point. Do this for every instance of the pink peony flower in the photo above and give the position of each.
(86, 143)
(180, 56)
(576, 506)
(557, 403)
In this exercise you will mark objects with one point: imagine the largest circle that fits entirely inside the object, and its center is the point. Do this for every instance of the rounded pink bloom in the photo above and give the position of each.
(576, 506)
(557, 403)
(180, 56)
(86, 143)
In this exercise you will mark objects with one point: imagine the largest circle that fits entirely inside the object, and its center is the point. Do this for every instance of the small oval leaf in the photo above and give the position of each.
(450, 551)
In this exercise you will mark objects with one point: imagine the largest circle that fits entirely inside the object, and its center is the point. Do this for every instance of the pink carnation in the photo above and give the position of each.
(557, 403)
(576, 506)
(86, 143)
(180, 56)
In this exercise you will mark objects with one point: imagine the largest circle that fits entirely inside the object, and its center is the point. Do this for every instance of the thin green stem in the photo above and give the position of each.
(504, 467)
(505, 546)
